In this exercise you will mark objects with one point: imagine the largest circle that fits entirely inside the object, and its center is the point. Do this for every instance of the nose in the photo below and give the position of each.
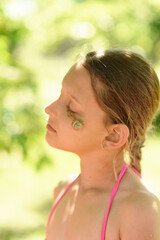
(50, 108)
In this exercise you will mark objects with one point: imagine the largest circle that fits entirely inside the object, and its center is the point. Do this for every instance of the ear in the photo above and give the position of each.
(117, 136)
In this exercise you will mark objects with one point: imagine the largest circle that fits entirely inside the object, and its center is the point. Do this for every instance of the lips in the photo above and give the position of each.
(50, 128)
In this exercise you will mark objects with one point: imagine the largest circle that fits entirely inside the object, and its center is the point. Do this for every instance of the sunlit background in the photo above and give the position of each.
(39, 41)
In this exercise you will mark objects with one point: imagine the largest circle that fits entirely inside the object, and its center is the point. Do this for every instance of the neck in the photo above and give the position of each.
(97, 172)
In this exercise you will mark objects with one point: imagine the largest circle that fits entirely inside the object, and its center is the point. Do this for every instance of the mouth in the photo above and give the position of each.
(50, 128)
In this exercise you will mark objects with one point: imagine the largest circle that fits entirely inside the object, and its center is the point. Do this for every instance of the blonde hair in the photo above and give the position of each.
(127, 88)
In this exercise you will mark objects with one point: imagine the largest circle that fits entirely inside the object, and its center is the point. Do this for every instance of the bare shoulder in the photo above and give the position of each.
(141, 216)
(62, 185)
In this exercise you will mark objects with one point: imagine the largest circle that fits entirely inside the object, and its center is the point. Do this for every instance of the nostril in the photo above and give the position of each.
(46, 114)
(46, 109)
(50, 110)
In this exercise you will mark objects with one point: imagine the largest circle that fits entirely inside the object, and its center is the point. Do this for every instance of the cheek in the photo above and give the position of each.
(94, 133)
(68, 133)
(65, 129)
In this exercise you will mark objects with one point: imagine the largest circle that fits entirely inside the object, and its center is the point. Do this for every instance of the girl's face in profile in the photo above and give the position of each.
(76, 96)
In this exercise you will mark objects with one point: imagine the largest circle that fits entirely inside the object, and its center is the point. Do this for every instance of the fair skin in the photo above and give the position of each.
(82, 209)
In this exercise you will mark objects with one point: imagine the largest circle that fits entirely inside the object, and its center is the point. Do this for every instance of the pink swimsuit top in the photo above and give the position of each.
(110, 200)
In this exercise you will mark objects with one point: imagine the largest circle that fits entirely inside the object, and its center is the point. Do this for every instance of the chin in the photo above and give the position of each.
(50, 141)
(53, 143)
(64, 146)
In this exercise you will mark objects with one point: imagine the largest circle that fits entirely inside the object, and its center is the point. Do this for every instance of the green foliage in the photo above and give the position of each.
(20, 112)
(39, 41)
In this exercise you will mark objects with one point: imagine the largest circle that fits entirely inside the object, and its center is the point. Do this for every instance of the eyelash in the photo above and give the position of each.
(69, 110)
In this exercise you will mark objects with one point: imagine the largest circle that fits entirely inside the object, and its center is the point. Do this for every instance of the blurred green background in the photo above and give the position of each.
(39, 41)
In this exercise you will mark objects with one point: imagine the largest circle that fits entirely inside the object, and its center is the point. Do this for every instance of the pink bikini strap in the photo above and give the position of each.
(110, 201)
(58, 200)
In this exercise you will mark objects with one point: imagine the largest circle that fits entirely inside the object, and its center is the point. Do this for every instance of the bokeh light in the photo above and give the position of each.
(39, 42)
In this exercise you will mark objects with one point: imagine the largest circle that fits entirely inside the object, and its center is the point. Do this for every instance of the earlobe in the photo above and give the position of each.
(117, 136)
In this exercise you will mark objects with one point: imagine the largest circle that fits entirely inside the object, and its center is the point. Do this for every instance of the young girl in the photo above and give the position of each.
(107, 102)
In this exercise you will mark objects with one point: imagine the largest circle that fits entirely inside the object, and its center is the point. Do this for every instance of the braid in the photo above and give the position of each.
(135, 148)
(135, 157)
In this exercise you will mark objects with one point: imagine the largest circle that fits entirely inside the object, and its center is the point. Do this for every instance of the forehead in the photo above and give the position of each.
(77, 76)
(78, 83)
